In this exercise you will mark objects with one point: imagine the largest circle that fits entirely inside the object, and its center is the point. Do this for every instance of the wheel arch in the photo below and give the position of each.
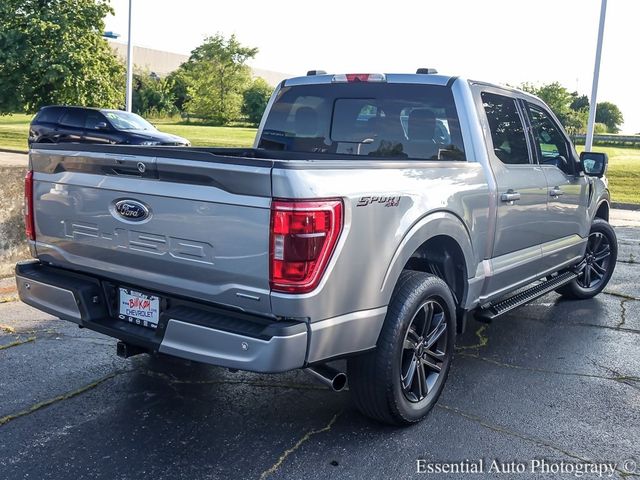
(438, 244)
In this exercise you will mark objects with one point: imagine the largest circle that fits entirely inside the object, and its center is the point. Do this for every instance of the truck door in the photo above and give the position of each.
(567, 198)
(521, 216)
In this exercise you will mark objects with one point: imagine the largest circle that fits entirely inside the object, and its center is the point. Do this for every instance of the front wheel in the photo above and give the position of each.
(596, 268)
(400, 381)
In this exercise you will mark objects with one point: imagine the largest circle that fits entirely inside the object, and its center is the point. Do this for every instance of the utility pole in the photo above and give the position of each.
(596, 75)
(129, 65)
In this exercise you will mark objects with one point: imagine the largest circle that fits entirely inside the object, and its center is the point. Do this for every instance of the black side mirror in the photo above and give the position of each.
(594, 163)
(101, 126)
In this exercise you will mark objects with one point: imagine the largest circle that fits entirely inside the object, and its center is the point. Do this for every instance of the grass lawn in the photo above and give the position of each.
(205, 136)
(14, 130)
(623, 173)
(624, 163)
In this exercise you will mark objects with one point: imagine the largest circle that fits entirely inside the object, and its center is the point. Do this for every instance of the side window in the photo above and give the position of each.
(507, 132)
(48, 115)
(74, 117)
(550, 142)
(93, 119)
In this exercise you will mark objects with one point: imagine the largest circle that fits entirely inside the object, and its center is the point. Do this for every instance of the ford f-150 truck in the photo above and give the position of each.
(373, 216)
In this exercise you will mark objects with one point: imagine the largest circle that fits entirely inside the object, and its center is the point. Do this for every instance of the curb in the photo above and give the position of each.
(626, 206)
(11, 150)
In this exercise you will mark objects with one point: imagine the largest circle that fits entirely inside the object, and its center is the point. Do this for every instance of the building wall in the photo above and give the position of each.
(163, 63)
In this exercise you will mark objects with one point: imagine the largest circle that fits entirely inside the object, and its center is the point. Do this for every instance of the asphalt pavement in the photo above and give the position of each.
(555, 381)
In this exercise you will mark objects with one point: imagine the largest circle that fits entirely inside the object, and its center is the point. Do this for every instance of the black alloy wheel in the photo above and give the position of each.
(595, 265)
(424, 351)
(400, 381)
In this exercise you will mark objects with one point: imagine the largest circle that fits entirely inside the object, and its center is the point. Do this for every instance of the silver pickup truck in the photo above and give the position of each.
(374, 214)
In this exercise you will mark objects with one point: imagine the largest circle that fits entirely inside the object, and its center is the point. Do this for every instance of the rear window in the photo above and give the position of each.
(49, 115)
(402, 121)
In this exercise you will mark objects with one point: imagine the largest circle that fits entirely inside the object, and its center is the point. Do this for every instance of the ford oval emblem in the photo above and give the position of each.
(132, 210)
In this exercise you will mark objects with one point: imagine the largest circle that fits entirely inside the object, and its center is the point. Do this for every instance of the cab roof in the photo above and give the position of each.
(424, 78)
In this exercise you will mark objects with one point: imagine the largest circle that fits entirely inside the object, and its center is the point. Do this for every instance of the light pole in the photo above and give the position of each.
(596, 74)
(129, 64)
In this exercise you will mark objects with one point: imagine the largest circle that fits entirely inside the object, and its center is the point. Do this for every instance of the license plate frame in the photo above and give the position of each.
(138, 307)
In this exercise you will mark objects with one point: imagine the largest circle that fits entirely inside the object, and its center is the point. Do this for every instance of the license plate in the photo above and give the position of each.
(139, 308)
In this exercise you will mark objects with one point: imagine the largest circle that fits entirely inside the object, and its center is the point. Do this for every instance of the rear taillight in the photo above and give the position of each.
(303, 237)
(29, 224)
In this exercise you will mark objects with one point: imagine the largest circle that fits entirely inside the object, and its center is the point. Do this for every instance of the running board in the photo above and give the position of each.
(489, 311)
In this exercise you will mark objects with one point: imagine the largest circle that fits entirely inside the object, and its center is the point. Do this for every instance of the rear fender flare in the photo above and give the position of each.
(430, 226)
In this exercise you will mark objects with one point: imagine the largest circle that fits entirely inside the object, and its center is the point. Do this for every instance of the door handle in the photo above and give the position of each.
(555, 192)
(510, 196)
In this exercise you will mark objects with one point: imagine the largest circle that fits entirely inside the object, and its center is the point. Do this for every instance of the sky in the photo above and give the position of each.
(501, 41)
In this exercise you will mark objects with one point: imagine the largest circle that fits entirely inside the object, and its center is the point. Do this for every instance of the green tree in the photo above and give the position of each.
(217, 74)
(52, 52)
(580, 103)
(609, 114)
(152, 95)
(600, 128)
(255, 99)
(178, 84)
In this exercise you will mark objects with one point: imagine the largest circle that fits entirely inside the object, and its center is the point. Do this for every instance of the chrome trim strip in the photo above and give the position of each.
(511, 260)
(555, 246)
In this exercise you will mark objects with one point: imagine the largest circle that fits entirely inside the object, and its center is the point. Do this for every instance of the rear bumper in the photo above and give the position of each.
(186, 329)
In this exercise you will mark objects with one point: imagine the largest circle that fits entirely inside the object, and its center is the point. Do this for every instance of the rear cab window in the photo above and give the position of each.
(390, 120)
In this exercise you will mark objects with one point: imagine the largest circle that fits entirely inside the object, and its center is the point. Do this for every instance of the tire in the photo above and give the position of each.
(598, 264)
(381, 383)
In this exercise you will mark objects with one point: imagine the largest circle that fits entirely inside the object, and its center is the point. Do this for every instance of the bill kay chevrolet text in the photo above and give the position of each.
(374, 215)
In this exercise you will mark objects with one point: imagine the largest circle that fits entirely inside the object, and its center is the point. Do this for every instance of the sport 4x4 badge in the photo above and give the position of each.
(386, 201)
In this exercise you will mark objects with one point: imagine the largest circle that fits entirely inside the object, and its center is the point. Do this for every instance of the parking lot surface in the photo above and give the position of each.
(555, 380)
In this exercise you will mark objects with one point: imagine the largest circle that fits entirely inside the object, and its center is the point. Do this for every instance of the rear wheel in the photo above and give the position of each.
(596, 268)
(401, 380)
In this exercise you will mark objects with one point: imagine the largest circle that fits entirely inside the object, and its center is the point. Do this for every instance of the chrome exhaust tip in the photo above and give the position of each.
(334, 379)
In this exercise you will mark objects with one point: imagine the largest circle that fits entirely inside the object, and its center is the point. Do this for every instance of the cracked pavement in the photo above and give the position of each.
(555, 379)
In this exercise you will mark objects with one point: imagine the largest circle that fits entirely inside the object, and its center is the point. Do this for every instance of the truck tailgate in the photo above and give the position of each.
(187, 223)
